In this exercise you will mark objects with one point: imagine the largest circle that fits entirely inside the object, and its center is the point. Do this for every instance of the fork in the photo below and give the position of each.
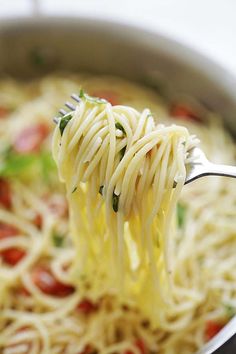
(198, 167)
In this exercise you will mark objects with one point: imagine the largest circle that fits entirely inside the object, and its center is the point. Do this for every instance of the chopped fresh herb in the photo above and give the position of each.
(181, 211)
(15, 164)
(58, 240)
(91, 99)
(75, 188)
(122, 152)
(101, 190)
(120, 127)
(230, 310)
(47, 164)
(115, 202)
(64, 121)
(81, 93)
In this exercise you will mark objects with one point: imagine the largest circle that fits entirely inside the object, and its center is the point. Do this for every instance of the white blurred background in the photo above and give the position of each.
(207, 25)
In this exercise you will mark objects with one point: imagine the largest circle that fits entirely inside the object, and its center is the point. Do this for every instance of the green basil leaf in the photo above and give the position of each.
(64, 121)
(91, 99)
(101, 190)
(230, 310)
(115, 202)
(122, 152)
(58, 240)
(120, 127)
(181, 213)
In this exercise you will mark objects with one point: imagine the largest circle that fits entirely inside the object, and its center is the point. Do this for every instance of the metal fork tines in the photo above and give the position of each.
(69, 105)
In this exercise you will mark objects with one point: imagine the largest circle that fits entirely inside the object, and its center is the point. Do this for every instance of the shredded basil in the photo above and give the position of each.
(181, 213)
(115, 202)
(120, 127)
(58, 240)
(122, 152)
(15, 164)
(91, 99)
(64, 121)
(47, 164)
(230, 310)
(101, 190)
(74, 190)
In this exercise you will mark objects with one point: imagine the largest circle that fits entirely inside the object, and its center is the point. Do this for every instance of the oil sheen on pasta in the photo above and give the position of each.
(61, 291)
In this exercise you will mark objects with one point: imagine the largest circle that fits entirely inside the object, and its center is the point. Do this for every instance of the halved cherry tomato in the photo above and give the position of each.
(212, 328)
(31, 138)
(38, 221)
(86, 307)
(139, 343)
(108, 95)
(45, 280)
(3, 111)
(5, 194)
(7, 230)
(10, 255)
(88, 350)
(23, 291)
(180, 110)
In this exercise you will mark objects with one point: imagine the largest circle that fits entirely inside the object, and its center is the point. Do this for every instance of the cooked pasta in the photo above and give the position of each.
(170, 284)
(123, 175)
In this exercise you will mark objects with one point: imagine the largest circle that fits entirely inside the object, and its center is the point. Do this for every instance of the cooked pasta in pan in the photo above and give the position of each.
(125, 259)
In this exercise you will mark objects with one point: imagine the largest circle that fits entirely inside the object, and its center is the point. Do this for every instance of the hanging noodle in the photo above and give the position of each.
(138, 267)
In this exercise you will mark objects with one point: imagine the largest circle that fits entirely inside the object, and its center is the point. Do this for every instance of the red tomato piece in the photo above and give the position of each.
(179, 110)
(38, 221)
(87, 350)
(3, 112)
(86, 307)
(23, 291)
(139, 343)
(11, 255)
(212, 328)
(31, 138)
(5, 194)
(7, 230)
(108, 95)
(45, 280)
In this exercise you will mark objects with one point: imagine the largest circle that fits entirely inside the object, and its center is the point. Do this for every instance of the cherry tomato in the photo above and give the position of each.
(3, 112)
(45, 280)
(23, 291)
(7, 230)
(139, 343)
(108, 95)
(179, 110)
(88, 350)
(31, 138)
(5, 194)
(86, 307)
(37, 220)
(10, 255)
(212, 328)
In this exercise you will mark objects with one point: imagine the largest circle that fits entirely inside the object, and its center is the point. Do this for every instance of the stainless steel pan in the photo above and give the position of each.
(31, 47)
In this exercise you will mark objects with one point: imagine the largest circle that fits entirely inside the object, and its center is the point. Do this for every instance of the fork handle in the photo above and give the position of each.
(212, 169)
(220, 170)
